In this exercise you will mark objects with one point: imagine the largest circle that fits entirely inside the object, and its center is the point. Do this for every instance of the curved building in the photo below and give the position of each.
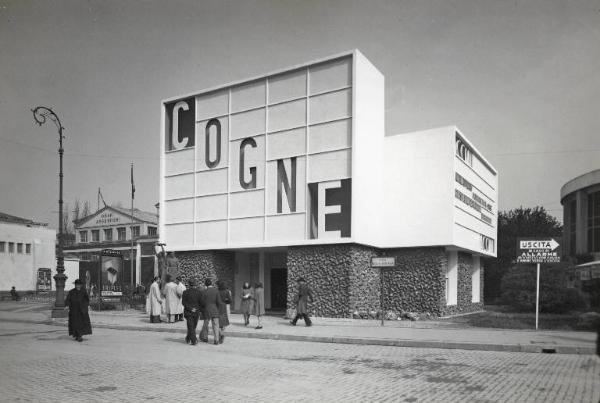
(580, 198)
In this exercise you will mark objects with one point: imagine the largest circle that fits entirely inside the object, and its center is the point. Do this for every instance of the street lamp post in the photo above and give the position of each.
(40, 114)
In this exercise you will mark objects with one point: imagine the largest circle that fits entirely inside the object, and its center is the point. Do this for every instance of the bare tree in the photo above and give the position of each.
(77, 210)
(86, 209)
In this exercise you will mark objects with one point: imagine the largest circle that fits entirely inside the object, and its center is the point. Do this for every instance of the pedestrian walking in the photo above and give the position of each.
(211, 301)
(302, 299)
(225, 295)
(77, 302)
(259, 303)
(192, 307)
(247, 304)
(155, 301)
(171, 299)
(180, 290)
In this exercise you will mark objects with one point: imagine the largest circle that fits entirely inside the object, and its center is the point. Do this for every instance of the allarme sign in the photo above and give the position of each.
(543, 250)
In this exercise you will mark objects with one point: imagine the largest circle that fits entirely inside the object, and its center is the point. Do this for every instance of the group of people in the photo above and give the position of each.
(211, 304)
(253, 303)
(208, 304)
(172, 293)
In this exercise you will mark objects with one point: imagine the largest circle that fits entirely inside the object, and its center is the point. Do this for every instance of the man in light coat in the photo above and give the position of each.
(155, 300)
(171, 299)
(180, 290)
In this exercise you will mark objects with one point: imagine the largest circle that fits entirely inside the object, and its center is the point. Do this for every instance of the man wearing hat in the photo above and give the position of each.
(304, 296)
(79, 319)
(192, 306)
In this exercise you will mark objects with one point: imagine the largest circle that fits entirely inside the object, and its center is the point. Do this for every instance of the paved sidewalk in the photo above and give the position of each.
(425, 334)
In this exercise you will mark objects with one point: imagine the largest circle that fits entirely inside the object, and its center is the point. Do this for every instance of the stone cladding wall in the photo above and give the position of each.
(417, 284)
(199, 265)
(325, 269)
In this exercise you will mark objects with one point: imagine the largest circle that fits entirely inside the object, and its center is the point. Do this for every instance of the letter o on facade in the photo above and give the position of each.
(217, 124)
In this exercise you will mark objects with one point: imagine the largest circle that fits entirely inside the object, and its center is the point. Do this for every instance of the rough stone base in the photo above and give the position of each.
(199, 265)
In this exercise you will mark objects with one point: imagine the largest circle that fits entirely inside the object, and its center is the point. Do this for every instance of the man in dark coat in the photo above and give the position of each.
(79, 319)
(302, 299)
(212, 305)
(192, 306)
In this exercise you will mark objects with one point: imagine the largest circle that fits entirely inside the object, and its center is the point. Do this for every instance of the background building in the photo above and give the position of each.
(27, 254)
(580, 198)
(103, 240)
(290, 175)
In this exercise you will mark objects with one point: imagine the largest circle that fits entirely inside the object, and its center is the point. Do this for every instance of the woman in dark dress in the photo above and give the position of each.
(247, 305)
(79, 319)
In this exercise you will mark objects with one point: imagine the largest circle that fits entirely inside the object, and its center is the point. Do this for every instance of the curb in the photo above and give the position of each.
(515, 348)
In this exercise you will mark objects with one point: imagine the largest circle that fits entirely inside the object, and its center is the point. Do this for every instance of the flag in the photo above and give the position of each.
(132, 184)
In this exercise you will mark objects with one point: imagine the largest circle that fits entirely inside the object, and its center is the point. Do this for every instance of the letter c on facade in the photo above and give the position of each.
(175, 129)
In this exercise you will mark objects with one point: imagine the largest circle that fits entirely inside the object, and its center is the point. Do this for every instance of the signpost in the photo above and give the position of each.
(383, 263)
(537, 251)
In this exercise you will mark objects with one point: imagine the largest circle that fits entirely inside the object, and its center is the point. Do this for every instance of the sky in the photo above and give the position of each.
(520, 79)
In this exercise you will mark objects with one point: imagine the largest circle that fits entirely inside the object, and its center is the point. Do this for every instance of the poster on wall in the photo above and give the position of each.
(111, 269)
(88, 273)
(44, 280)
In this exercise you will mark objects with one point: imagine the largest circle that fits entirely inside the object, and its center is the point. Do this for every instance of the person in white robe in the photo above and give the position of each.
(180, 290)
(155, 301)
(171, 299)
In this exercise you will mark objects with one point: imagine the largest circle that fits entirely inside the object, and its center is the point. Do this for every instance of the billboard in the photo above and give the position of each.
(111, 273)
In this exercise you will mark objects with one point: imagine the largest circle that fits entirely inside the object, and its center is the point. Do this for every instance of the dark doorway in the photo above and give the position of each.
(278, 289)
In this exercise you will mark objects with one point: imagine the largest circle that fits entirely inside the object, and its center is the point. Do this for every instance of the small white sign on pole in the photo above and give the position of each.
(537, 251)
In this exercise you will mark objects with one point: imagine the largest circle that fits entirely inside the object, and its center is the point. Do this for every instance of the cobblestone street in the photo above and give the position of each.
(42, 363)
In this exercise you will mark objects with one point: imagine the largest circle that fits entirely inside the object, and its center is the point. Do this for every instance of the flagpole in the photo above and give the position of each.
(131, 254)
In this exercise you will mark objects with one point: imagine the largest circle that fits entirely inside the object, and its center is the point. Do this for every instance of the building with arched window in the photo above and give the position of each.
(580, 198)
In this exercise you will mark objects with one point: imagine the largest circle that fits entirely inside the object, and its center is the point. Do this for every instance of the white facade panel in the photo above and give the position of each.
(248, 96)
(179, 162)
(285, 87)
(211, 233)
(329, 166)
(179, 186)
(286, 227)
(246, 124)
(476, 280)
(211, 182)
(330, 136)
(330, 76)
(177, 211)
(330, 106)
(211, 207)
(179, 234)
(212, 105)
(286, 144)
(247, 204)
(287, 115)
(247, 230)
(368, 176)
(418, 189)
